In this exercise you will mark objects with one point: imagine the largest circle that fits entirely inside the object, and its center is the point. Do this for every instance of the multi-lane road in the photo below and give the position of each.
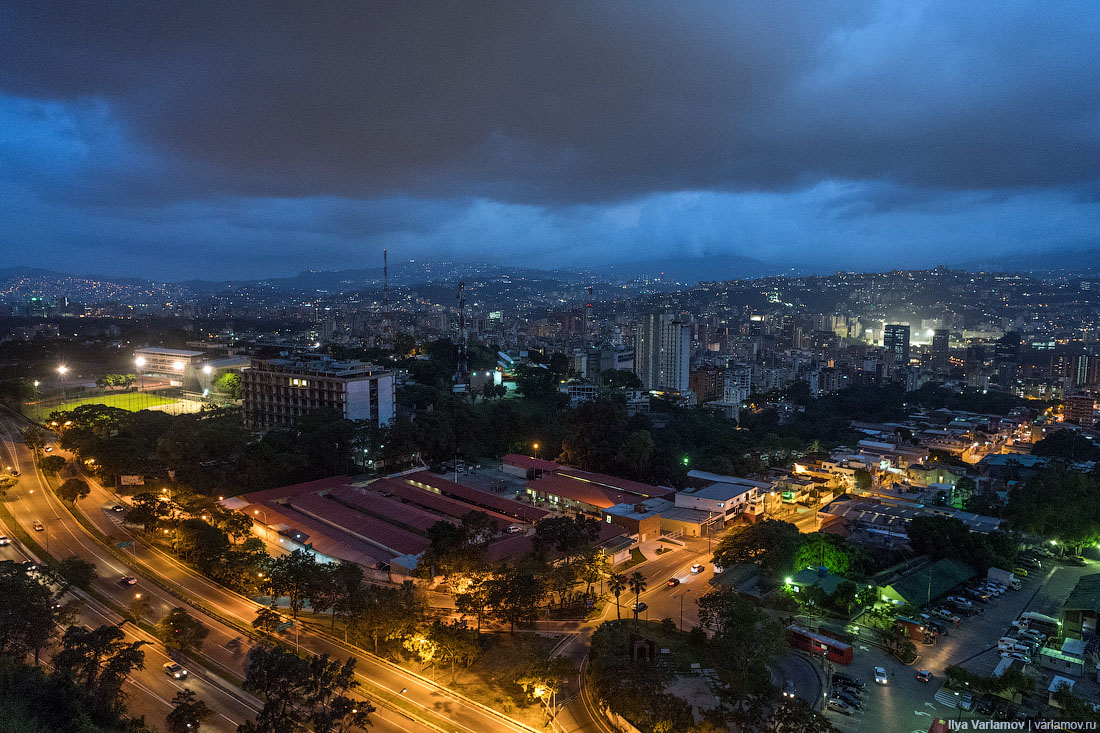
(405, 701)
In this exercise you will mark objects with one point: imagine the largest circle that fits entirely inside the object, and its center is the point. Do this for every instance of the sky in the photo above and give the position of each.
(244, 140)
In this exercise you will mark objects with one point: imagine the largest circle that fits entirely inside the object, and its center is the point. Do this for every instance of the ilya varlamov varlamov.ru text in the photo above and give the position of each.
(1028, 725)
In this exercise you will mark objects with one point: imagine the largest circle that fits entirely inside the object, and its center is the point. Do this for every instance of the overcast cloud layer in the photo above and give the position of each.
(246, 140)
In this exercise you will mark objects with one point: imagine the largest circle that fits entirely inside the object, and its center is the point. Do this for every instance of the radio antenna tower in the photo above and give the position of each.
(462, 362)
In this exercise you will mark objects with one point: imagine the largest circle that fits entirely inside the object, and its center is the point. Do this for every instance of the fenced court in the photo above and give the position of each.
(174, 401)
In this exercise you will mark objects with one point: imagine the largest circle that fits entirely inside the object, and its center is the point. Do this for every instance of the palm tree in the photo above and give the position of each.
(616, 583)
(637, 585)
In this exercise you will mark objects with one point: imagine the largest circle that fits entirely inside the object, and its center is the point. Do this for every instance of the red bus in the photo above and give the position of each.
(817, 644)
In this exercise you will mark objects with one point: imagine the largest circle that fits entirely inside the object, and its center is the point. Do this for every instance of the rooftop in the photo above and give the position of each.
(723, 491)
(167, 352)
(1085, 595)
(932, 581)
(515, 459)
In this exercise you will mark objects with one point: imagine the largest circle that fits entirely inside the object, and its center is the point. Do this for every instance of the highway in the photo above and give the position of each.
(227, 645)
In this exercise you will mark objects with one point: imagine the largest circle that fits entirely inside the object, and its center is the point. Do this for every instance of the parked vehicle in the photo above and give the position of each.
(838, 706)
(966, 702)
(848, 680)
(851, 699)
(959, 601)
(698, 568)
(1075, 560)
(1017, 655)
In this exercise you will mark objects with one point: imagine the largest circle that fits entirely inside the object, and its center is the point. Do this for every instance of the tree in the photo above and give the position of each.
(6, 484)
(180, 630)
(772, 544)
(747, 640)
(98, 661)
(514, 596)
(77, 571)
(450, 643)
(637, 584)
(26, 611)
(52, 464)
(616, 583)
(819, 549)
(303, 693)
(637, 452)
(147, 511)
(388, 613)
(863, 479)
(1068, 445)
(621, 379)
(570, 536)
(188, 713)
(267, 620)
(473, 601)
(294, 576)
(35, 438)
(199, 542)
(229, 384)
(73, 490)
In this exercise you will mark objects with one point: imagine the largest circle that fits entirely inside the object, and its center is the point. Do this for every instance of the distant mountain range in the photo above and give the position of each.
(670, 271)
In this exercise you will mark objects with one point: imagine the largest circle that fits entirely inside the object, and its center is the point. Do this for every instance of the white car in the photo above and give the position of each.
(174, 670)
(880, 676)
(1017, 655)
(960, 601)
(698, 568)
(4, 541)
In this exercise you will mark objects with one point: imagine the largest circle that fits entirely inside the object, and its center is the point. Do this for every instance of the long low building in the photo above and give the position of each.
(894, 519)
(593, 493)
(381, 524)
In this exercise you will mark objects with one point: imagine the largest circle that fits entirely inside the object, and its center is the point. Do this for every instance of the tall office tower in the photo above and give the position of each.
(896, 338)
(941, 358)
(662, 352)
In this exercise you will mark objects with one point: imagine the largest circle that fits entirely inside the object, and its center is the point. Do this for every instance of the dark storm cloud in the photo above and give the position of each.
(164, 137)
(577, 101)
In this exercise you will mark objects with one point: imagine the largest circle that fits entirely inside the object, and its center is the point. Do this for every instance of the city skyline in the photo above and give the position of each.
(223, 143)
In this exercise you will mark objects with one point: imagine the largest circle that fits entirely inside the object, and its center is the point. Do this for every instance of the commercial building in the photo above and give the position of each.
(941, 355)
(525, 466)
(662, 352)
(920, 585)
(1082, 609)
(896, 338)
(726, 499)
(278, 392)
(1081, 409)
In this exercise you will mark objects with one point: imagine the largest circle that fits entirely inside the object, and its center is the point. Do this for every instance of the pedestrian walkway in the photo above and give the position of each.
(945, 697)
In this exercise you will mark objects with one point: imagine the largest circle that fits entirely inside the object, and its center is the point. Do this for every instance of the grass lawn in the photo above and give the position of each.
(132, 401)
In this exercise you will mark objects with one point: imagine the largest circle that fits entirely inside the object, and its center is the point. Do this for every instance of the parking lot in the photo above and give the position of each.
(906, 704)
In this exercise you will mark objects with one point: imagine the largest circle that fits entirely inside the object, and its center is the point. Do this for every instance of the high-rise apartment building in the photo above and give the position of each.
(941, 355)
(662, 352)
(738, 383)
(278, 392)
(896, 338)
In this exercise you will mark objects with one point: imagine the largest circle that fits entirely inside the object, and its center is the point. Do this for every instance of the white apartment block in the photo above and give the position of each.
(277, 392)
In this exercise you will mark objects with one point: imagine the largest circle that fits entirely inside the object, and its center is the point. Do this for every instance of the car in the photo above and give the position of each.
(848, 680)
(175, 670)
(966, 702)
(1027, 562)
(985, 705)
(880, 676)
(788, 689)
(1017, 655)
(15, 472)
(129, 580)
(1020, 572)
(924, 676)
(4, 541)
(513, 529)
(1075, 560)
(118, 508)
(1032, 635)
(838, 706)
(958, 601)
(673, 582)
(850, 698)
(698, 568)
(1006, 642)
(48, 449)
(947, 615)
(38, 527)
(840, 687)
(639, 606)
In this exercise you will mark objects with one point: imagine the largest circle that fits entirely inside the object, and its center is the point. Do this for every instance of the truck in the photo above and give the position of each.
(1003, 577)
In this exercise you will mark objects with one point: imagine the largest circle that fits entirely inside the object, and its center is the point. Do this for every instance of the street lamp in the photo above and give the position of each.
(535, 446)
(140, 363)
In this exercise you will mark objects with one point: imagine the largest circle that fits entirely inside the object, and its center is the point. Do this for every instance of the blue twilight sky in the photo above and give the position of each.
(239, 140)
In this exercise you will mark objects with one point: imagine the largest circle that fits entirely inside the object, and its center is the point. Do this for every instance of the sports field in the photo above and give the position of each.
(132, 401)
